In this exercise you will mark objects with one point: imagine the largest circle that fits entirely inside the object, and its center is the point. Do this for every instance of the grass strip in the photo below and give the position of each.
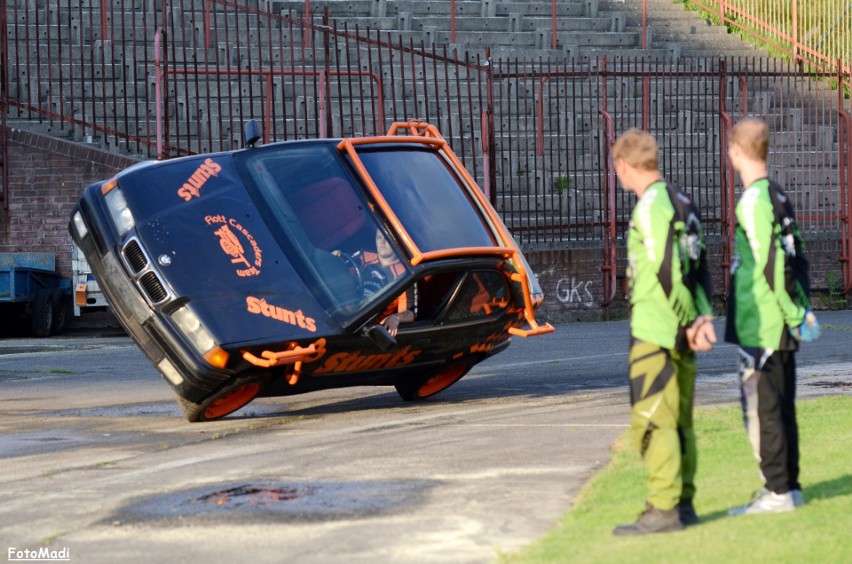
(820, 531)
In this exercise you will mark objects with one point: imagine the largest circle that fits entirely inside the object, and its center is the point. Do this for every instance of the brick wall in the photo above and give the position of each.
(46, 178)
(572, 282)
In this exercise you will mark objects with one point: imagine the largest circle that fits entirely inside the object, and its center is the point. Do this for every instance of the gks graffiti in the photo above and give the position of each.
(573, 291)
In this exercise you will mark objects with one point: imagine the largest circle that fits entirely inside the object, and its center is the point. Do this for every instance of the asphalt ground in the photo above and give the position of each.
(96, 458)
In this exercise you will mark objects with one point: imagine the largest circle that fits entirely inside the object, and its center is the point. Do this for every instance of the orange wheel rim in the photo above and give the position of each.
(440, 381)
(232, 401)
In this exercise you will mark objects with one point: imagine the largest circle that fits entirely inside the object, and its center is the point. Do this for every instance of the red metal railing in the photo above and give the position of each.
(161, 76)
(818, 33)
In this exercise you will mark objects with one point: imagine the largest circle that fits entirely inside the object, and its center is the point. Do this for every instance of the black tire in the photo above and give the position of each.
(60, 313)
(222, 403)
(417, 389)
(42, 314)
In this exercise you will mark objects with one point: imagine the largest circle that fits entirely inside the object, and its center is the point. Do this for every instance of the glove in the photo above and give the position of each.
(701, 335)
(809, 329)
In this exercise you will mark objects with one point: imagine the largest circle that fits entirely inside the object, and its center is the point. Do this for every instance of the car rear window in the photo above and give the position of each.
(427, 197)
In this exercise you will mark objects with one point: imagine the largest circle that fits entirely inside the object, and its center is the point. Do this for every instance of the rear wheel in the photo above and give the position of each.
(421, 388)
(222, 403)
(42, 314)
(60, 314)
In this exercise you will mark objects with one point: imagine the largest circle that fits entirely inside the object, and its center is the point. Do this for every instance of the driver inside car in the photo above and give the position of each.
(377, 270)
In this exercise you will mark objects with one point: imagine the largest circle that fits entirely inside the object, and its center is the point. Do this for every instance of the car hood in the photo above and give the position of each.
(212, 248)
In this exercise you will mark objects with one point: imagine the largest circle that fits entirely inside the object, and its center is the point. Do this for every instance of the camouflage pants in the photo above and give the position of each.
(662, 384)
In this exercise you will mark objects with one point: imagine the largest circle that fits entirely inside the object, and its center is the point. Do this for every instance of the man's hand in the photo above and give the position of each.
(391, 323)
(809, 329)
(701, 335)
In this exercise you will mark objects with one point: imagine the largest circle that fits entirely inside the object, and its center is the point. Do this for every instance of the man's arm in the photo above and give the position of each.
(758, 223)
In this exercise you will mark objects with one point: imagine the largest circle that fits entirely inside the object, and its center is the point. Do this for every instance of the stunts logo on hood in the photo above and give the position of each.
(298, 318)
(192, 187)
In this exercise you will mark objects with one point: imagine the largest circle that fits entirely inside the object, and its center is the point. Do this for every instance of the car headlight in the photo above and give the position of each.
(122, 218)
(192, 328)
(80, 226)
(200, 337)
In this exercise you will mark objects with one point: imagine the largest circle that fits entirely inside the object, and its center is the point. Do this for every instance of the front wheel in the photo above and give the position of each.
(421, 388)
(224, 402)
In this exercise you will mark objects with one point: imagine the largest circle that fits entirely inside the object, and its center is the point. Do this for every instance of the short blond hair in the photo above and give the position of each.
(637, 148)
(752, 136)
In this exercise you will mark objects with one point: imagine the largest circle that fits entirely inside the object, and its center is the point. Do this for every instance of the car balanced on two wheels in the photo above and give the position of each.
(307, 265)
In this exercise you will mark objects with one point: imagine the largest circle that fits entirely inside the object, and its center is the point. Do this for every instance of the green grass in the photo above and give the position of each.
(727, 475)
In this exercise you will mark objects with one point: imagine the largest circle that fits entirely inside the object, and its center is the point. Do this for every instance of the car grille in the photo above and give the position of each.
(154, 290)
(135, 257)
(143, 274)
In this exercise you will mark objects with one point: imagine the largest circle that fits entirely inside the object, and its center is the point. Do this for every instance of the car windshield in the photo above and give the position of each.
(326, 226)
(425, 194)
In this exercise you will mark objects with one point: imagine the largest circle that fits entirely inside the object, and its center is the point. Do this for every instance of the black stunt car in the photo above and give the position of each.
(306, 265)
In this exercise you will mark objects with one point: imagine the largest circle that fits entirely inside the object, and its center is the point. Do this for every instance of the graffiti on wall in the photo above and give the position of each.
(574, 291)
(571, 284)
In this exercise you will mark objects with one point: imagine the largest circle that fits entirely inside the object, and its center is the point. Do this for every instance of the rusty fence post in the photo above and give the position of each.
(324, 85)
(610, 258)
(727, 193)
(491, 171)
(4, 108)
(844, 155)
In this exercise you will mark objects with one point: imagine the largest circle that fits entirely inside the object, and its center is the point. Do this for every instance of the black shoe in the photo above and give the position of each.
(687, 513)
(652, 520)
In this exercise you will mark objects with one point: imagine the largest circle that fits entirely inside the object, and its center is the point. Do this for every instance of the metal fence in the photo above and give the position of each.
(817, 33)
(166, 78)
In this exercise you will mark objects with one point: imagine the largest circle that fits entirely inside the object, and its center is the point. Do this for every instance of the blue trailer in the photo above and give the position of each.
(32, 292)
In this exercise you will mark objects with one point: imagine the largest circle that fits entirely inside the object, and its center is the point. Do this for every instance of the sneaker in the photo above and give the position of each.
(652, 520)
(687, 513)
(798, 497)
(766, 501)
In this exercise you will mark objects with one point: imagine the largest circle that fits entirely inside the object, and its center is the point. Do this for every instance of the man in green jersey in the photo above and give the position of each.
(768, 314)
(670, 318)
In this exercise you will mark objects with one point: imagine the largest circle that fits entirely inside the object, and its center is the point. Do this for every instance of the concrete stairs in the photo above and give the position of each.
(686, 33)
(511, 29)
(532, 181)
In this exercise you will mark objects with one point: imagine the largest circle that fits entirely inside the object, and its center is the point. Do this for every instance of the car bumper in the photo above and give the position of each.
(186, 373)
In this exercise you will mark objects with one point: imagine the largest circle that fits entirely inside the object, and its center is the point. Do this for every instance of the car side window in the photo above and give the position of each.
(484, 293)
(428, 198)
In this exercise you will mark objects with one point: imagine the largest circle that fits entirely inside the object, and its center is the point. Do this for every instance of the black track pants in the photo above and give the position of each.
(768, 396)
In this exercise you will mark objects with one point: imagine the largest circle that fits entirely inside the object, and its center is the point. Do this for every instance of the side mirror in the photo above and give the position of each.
(380, 337)
(251, 133)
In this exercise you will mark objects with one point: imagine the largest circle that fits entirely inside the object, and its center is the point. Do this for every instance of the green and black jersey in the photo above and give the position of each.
(768, 290)
(669, 280)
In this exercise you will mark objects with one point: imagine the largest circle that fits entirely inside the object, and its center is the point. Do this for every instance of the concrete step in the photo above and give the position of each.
(511, 24)
(600, 24)
(564, 8)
